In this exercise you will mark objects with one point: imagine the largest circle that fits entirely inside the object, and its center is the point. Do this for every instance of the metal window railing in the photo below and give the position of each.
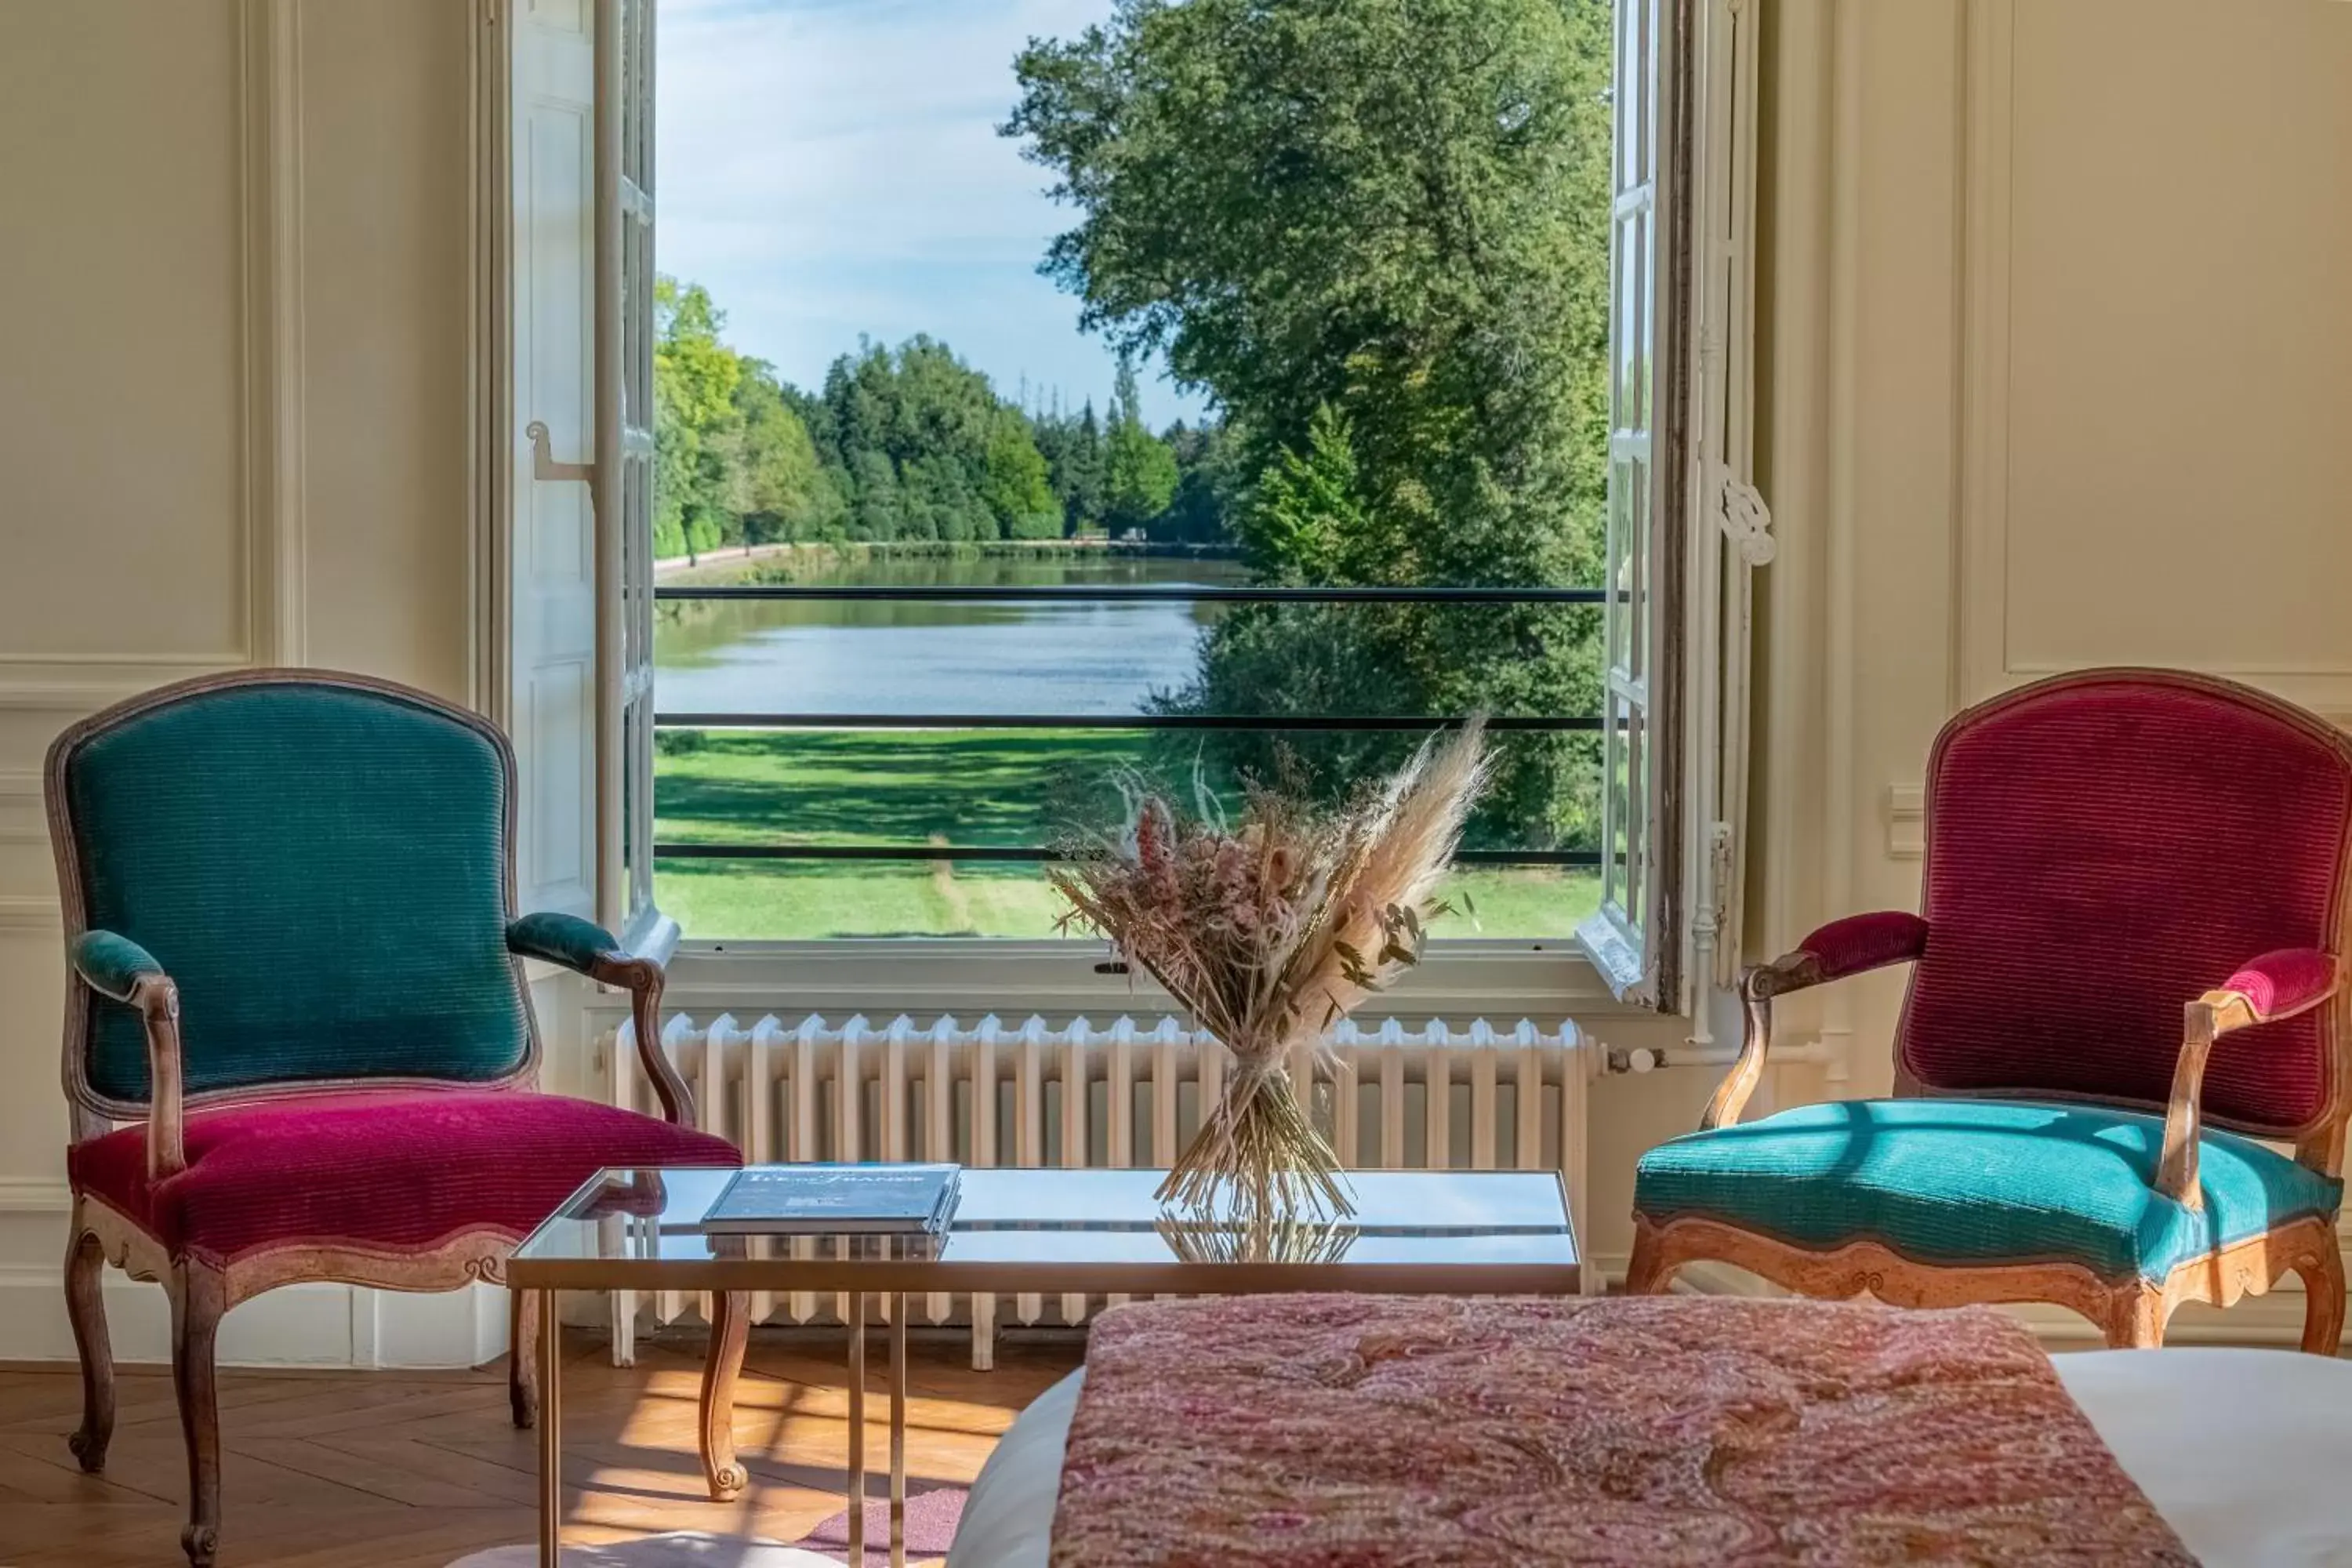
(1140, 723)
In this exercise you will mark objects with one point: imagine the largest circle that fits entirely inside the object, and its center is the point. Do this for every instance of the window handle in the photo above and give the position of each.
(543, 465)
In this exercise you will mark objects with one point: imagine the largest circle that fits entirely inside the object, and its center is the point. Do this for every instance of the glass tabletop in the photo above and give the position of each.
(624, 1223)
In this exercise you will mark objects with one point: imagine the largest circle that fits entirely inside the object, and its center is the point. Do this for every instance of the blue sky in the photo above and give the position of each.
(832, 167)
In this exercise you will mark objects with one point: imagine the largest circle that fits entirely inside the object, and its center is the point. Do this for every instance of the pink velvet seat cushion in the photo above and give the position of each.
(383, 1170)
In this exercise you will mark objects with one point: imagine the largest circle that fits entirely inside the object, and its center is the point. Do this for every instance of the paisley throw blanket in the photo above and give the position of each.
(1376, 1431)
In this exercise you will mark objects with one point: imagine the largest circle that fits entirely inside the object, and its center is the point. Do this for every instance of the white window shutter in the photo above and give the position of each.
(551, 559)
(580, 572)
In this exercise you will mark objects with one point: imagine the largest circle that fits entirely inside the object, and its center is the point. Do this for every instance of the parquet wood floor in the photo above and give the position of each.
(413, 1469)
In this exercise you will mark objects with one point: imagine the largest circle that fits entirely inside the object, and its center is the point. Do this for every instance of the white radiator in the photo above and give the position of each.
(1475, 1099)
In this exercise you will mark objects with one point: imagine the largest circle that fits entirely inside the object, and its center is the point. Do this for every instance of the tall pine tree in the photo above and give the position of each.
(1139, 470)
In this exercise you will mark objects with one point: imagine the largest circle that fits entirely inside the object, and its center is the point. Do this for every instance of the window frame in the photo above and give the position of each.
(1622, 966)
(1636, 939)
(625, 276)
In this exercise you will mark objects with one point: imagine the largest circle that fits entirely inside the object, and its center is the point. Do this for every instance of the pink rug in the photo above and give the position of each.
(682, 1549)
(932, 1517)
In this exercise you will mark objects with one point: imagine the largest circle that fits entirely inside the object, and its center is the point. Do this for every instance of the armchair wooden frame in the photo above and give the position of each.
(202, 1294)
(2130, 1311)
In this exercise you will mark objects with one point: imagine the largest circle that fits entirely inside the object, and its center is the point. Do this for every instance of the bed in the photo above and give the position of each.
(2263, 1480)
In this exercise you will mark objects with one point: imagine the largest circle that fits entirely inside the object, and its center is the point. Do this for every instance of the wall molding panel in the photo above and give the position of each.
(23, 913)
(269, 312)
(1981, 667)
(22, 817)
(276, 540)
(2024, 520)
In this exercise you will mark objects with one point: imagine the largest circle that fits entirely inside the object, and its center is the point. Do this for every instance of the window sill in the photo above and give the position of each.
(1497, 980)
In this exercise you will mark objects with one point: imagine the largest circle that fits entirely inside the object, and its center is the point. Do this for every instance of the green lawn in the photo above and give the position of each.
(974, 787)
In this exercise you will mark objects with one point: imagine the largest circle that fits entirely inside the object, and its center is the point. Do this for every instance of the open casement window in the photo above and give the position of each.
(1673, 682)
(578, 411)
(1672, 707)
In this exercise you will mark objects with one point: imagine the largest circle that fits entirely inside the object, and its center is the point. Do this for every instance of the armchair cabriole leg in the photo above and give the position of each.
(730, 1326)
(2323, 1310)
(2136, 1315)
(86, 1306)
(1649, 1273)
(522, 1358)
(199, 1299)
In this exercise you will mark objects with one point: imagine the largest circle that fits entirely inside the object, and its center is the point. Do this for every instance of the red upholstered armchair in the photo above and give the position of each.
(297, 974)
(2127, 986)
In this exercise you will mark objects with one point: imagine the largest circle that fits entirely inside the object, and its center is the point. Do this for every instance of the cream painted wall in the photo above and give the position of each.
(388, 260)
(233, 418)
(2061, 360)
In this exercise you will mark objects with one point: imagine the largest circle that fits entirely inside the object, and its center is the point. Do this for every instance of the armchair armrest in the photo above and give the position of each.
(563, 940)
(120, 970)
(586, 948)
(2281, 984)
(112, 966)
(2276, 985)
(1849, 946)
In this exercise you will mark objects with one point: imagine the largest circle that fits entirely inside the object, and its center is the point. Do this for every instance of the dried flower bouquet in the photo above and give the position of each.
(1268, 933)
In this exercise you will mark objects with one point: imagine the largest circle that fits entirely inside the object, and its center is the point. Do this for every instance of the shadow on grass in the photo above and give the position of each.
(885, 787)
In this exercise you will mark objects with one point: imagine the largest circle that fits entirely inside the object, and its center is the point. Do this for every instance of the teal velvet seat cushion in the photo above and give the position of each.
(322, 872)
(1977, 1181)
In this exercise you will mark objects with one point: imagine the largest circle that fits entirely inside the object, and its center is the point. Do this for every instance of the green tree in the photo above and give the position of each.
(1386, 220)
(905, 443)
(1139, 470)
(1308, 521)
(777, 485)
(1209, 485)
(1016, 483)
(907, 433)
(1081, 473)
(695, 421)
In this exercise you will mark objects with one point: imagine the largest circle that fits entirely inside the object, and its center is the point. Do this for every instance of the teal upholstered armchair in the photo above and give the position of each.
(297, 976)
(2121, 1073)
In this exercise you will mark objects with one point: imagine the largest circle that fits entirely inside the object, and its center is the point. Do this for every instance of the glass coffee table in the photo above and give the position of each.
(1470, 1233)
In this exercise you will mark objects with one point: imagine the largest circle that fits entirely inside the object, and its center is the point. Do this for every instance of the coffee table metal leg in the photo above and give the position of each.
(899, 1431)
(551, 1432)
(857, 1429)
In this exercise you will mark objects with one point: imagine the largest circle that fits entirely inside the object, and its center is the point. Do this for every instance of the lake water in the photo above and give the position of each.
(880, 656)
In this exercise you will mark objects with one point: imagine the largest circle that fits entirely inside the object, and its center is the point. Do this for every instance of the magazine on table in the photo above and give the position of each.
(822, 1200)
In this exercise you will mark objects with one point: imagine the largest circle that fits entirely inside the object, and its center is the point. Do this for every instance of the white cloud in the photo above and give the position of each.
(829, 167)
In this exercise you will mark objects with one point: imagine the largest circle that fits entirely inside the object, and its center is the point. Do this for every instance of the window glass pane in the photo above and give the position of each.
(1647, 328)
(1636, 582)
(927, 330)
(1636, 815)
(1621, 799)
(1620, 527)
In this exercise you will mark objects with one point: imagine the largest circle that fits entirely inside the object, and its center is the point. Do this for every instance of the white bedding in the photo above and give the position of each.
(2247, 1453)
